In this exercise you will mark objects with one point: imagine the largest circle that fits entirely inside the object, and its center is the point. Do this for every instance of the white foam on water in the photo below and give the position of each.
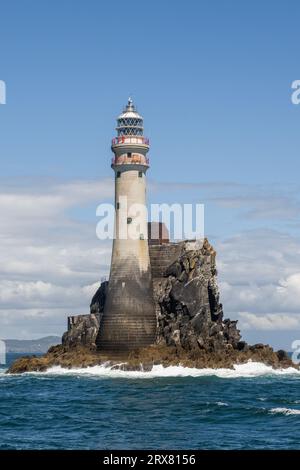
(250, 369)
(285, 411)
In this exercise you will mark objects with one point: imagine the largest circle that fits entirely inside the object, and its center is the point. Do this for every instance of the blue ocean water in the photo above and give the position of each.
(175, 408)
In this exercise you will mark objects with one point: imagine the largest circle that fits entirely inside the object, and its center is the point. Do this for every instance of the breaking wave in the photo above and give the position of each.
(284, 411)
(248, 370)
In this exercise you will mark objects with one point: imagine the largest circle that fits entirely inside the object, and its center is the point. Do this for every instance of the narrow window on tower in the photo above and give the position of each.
(118, 174)
(118, 205)
(129, 155)
(129, 220)
(140, 174)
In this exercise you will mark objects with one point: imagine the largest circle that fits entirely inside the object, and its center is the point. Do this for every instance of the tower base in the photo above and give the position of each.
(129, 319)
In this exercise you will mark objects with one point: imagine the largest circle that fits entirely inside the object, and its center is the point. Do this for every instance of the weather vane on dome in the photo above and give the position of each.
(130, 105)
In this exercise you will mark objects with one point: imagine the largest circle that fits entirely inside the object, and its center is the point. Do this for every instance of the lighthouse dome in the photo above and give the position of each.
(129, 122)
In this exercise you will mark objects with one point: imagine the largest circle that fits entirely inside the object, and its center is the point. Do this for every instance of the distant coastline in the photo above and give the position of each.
(31, 346)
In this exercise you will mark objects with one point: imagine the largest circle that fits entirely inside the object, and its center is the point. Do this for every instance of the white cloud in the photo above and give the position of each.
(253, 201)
(36, 293)
(262, 205)
(269, 321)
(51, 260)
(31, 323)
(259, 272)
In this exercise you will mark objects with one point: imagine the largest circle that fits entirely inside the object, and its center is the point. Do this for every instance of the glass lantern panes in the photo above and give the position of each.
(130, 126)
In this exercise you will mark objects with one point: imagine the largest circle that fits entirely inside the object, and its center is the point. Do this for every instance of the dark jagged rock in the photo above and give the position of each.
(98, 301)
(82, 331)
(190, 312)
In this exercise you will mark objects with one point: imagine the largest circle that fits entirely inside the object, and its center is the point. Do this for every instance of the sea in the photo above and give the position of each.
(249, 407)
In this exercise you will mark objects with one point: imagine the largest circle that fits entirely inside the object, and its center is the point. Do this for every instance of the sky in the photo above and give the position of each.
(213, 82)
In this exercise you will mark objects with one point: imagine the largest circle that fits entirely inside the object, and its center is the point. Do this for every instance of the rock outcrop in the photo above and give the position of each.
(187, 300)
(190, 314)
(83, 329)
(191, 330)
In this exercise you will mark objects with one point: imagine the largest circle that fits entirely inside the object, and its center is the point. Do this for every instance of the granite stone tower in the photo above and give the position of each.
(129, 320)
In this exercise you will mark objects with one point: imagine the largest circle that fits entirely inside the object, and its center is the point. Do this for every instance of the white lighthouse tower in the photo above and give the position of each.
(129, 319)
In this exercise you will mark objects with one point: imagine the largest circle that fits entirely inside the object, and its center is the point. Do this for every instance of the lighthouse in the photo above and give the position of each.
(129, 319)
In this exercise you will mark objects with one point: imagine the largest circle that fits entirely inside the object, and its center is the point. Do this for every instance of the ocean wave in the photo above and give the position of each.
(284, 411)
(248, 370)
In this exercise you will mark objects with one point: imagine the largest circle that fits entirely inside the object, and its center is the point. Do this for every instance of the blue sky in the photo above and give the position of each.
(213, 82)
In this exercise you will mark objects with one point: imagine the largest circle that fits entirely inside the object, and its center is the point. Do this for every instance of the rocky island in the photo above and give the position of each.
(191, 329)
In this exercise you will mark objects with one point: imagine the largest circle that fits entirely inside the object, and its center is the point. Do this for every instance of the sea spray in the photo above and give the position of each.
(248, 370)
